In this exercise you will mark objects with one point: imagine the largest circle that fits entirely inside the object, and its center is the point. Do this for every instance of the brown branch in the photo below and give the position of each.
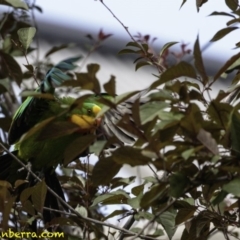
(74, 212)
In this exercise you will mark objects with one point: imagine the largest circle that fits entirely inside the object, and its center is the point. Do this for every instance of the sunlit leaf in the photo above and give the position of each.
(17, 4)
(167, 219)
(26, 36)
(233, 187)
(208, 141)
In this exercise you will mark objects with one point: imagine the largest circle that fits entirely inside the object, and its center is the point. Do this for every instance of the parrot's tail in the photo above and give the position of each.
(9, 171)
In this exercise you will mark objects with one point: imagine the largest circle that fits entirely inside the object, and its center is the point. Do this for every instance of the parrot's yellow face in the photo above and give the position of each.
(86, 118)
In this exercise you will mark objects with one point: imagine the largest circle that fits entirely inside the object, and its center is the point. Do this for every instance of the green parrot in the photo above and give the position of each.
(38, 119)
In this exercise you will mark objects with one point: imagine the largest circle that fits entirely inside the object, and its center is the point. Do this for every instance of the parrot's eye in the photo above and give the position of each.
(89, 111)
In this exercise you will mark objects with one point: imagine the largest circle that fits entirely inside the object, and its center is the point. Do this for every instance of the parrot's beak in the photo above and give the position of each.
(98, 121)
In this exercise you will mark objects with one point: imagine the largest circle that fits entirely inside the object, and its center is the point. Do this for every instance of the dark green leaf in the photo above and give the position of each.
(199, 62)
(58, 48)
(99, 176)
(166, 46)
(141, 64)
(77, 147)
(10, 68)
(129, 155)
(232, 4)
(133, 44)
(179, 70)
(184, 214)
(178, 184)
(38, 195)
(57, 129)
(226, 65)
(222, 33)
(183, 2)
(153, 195)
(233, 21)
(126, 50)
(221, 14)
(138, 190)
(235, 131)
(110, 86)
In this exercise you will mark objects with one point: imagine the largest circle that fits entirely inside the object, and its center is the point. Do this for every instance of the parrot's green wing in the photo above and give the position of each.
(31, 110)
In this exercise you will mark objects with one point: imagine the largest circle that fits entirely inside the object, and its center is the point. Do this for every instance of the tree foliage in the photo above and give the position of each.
(188, 139)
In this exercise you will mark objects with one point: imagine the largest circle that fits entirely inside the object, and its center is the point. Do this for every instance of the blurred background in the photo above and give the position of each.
(70, 21)
(61, 21)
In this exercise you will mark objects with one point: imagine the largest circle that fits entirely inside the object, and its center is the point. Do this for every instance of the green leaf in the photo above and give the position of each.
(99, 176)
(199, 3)
(17, 4)
(222, 33)
(26, 36)
(235, 131)
(226, 65)
(82, 210)
(141, 64)
(10, 68)
(126, 50)
(188, 153)
(233, 21)
(208, 141)
(114, 197)
(138, 189)
(221, 14)
(58, 48)
(133, 44)
(166, 46)
(179, 70)
(153, 195)
(167, 219)
(151, 110)
(27, 206)
(183, 2)
(97, 147)
(135, 201)
(233, 187)
(199, 62)
(232, 4)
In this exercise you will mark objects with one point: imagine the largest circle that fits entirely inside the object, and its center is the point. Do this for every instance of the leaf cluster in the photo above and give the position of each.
(188, 140)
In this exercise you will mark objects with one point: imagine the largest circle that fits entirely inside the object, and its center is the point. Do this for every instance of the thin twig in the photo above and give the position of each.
(126, 28)
(74, 212)
(155, 217)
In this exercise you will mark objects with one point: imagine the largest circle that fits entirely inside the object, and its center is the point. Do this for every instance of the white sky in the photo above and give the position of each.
(160, 18)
